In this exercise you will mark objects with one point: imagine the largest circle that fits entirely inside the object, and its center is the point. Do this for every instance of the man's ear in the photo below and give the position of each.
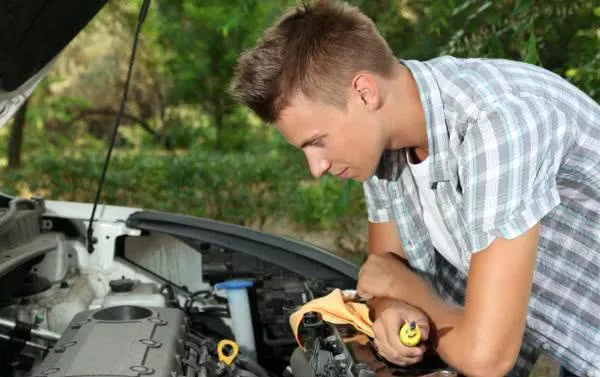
(366, 88)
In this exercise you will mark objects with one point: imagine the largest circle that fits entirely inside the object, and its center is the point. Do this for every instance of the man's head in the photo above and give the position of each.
(315, 74)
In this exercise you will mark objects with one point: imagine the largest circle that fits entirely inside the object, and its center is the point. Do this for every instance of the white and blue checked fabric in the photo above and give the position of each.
(511, 145)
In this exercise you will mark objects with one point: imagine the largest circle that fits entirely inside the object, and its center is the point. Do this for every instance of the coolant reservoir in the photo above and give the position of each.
(241, 316)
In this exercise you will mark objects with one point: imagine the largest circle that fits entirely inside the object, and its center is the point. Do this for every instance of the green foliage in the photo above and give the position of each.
(222, 162)
(202, 41)
(246, 187)
(321, 204)
(563, 37)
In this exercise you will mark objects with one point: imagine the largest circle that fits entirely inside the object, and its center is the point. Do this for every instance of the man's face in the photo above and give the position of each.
(347, 144)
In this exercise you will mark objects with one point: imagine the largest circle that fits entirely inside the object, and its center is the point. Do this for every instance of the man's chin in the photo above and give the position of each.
(362, 177)
(359, 178)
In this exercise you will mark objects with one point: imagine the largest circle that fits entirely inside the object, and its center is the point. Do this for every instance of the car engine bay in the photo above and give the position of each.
(153, 300)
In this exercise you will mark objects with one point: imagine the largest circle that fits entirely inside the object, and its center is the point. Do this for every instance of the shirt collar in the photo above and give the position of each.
(392, 162)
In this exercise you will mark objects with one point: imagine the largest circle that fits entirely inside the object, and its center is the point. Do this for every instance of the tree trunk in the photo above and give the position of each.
(219, 123)
(15, 140)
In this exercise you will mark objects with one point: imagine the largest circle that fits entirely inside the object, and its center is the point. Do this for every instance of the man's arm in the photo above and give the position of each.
(390, 314)
(484, 337)
(383, 238)
(495, 312)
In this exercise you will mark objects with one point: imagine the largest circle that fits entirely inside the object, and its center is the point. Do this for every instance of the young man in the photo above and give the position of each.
(482, 179)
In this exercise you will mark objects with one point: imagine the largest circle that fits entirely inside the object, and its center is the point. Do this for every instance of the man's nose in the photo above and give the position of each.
(317, 164)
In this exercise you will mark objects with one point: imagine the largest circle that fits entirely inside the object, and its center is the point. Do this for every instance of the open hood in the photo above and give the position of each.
(32, 35)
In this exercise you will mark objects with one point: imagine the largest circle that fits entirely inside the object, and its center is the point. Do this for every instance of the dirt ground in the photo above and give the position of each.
(545, 367)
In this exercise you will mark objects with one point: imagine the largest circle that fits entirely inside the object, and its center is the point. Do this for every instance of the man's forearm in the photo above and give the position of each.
(451, 336)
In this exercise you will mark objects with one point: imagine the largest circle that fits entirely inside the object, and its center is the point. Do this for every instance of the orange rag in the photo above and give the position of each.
(337, 309)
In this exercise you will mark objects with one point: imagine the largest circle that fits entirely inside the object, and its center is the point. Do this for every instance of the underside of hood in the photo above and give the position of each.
(33, 32)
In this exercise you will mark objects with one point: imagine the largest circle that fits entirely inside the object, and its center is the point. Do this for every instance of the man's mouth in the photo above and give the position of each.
(343, 173)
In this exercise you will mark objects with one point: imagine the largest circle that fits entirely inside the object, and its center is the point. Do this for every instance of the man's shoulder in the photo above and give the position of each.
(449, 63)
(467, 85)
(477, 72)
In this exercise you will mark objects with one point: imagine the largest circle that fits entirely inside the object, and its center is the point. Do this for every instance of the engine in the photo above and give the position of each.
(180, 335)
(159, 298)
(139, 341)
(334, 351)
(122, 341)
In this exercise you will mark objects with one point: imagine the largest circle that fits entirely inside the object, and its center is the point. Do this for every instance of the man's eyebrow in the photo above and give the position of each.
(311, 141)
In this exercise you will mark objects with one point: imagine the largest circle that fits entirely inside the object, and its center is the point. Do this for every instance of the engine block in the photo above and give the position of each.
(119, 341)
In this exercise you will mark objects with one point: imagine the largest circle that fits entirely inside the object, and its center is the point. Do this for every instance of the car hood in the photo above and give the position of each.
(32, 35)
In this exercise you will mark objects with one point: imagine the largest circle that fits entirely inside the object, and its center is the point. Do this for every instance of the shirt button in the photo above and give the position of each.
(545, 346)
(591, 373)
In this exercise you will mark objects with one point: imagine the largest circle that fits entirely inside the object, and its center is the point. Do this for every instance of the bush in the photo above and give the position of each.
(243, 188)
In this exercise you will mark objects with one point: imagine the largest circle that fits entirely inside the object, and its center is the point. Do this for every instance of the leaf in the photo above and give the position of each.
(461, 7)
(482, 8)
(523, 25)
(531, 54)
(521, 7)
(571, 72)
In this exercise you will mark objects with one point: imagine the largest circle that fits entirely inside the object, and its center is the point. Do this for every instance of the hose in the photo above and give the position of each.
(251, 365)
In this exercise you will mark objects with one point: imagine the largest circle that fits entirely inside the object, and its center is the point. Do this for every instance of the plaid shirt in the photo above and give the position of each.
(510, 145)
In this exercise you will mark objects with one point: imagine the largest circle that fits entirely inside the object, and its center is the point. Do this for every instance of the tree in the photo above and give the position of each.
(201, 42)
(560, 36)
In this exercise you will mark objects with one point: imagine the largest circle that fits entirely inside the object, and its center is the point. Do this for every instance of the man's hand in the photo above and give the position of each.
(381, 274)
(389, 316)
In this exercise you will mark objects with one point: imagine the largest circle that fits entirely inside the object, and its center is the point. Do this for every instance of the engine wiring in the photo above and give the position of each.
(201, 360)
(202, 296)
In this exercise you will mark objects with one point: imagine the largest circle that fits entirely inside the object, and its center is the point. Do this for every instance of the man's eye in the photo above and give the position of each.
(318, 143)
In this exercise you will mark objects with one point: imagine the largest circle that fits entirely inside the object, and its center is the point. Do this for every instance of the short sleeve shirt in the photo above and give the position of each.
(511, 145)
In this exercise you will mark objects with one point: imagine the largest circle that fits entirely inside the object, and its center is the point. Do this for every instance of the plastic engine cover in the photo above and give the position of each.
(118, 341)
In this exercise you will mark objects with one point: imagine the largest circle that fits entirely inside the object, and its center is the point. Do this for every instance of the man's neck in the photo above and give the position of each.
(403, 112)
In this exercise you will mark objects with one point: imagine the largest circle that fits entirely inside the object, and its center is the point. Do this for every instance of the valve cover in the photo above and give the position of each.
(118, 341)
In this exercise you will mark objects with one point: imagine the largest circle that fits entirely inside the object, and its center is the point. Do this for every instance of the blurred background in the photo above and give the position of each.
(185, 147)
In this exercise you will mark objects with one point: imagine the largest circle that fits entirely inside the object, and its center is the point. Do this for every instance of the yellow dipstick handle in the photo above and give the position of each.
(410, 334)
(227, 355)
